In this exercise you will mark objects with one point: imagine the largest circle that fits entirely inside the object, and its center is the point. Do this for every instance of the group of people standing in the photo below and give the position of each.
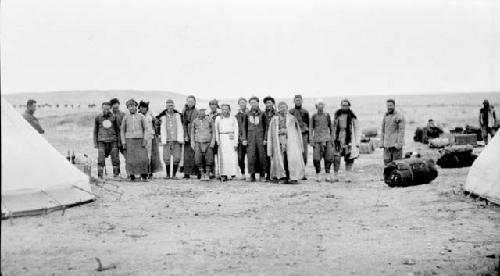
(213, 143)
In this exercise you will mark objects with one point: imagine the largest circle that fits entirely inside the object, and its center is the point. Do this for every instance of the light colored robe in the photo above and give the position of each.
(226, 136)
(294, 149)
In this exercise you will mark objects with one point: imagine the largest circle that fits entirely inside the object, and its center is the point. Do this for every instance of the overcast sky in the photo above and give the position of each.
(231, 48)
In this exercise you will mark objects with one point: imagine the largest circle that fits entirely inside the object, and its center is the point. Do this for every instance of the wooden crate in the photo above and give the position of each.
(366, 147)
(464, 139)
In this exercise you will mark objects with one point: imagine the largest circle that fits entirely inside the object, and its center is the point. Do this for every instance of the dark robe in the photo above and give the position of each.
(188, 116)
(255, 129)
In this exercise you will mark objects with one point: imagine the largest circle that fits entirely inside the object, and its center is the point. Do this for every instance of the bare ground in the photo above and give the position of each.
(193, 228)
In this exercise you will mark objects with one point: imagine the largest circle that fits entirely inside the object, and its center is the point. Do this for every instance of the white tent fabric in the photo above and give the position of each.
(484, 176)
(35, 176)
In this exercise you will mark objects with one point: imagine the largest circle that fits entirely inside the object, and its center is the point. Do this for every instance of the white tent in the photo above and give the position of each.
(36, 178)
(484, 176)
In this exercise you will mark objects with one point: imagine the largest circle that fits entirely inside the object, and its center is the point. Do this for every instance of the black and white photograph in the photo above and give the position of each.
(250, 137)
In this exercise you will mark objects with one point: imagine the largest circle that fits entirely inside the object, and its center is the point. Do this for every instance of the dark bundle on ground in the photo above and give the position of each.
(371, 132)
(410, 172)
(474, 130)
(457, 157)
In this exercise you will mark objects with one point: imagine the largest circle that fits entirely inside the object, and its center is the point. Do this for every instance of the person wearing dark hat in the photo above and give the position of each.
(269, 113)
(172, 138)
(133, 133)
(29, 115)
(189, 114)
(213, 114)
(151, 138)
(487, 121)
(393, 133)
(115, 107)
(242, 146)
(255, 134)
(302, 117)
(285, 147)
(107, 140)
(202, 142)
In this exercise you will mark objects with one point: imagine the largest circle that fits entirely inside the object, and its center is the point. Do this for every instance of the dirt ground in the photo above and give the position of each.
(194, 228)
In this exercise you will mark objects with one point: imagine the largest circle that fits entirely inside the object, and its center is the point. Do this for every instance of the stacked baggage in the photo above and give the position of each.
(410, 172)
(368, 140)
(457, 157)
(439, 142)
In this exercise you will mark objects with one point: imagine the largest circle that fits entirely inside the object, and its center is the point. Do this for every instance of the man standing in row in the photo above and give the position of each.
(242, 146)
(226, 135)
(255, 131)
(115, 106)
(285, 147)
(393, 133)
(269, 113)
(29, 115)
(213, 114)
(320, 134)
(171, 138)
(189, 114)
(202, 143)
(302, 117)
(107, 140)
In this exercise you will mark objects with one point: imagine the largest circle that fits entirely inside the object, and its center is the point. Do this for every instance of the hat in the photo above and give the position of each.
(169, 101)
(114, 101)
(254, 98)
(106, 103)
(225, 104)
(131, 102)
(298, 96)
(282, 103)
(214, 102)
(241, 99)
(347, 101)
(269, 98)
(191, 96)
(144, 104)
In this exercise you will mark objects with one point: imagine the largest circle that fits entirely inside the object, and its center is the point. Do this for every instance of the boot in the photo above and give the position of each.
(252, 177)
(201, 174)
(328, 177)
(318, 177)
(174, 172)
(208, 170)
(167, 169)
(116, 171)
(100, 170)
(335, 177)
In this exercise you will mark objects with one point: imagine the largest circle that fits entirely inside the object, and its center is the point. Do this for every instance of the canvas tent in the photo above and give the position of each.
(483, 179)
(36, 178)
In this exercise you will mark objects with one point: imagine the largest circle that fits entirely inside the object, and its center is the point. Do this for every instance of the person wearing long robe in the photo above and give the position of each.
(346, 138)
(226, 135)
(302, 117)
(152, 139)
(285, 147)
(255, 134)
(487, 121)
(269, 113)
(189, 114)
(133, 132)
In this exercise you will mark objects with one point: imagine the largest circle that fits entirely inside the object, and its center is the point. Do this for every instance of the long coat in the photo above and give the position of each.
(255, 134)
(294, 149)
(188, 116)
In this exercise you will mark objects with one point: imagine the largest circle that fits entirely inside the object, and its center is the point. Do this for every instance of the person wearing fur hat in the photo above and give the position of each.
(269, 113)
(255, 134)
(346, 138)
(189, 114)
(285, 147)
(302, 117)
(152, 139)
(134, 135)
(171, 138)
(202, 143)
(242, 146)
(320, 130)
